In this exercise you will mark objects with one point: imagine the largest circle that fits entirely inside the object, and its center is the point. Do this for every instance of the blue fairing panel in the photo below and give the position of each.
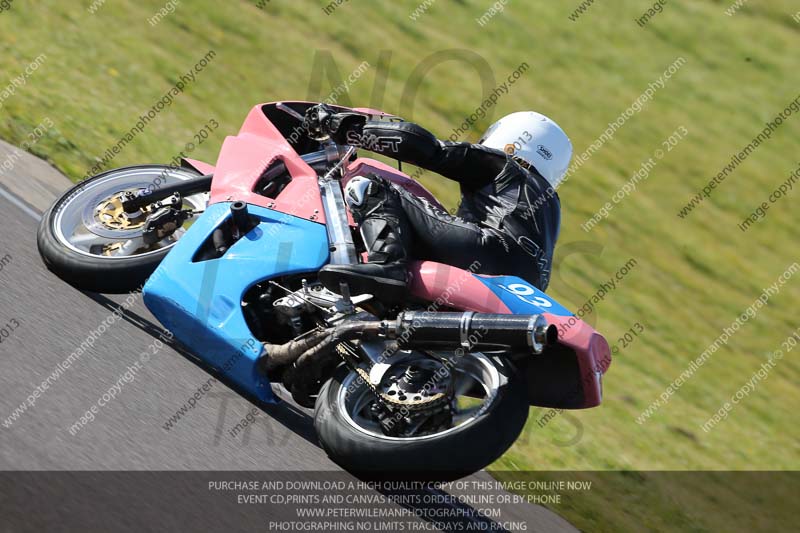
(200, 302)
(521, 297)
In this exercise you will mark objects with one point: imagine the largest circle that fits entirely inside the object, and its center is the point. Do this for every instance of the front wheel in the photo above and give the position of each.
(485, 413)
(88, 240)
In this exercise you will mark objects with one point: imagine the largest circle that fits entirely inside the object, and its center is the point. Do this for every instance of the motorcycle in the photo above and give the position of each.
(227, 257)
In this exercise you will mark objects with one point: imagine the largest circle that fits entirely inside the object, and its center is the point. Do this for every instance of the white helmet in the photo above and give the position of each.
(535, 139)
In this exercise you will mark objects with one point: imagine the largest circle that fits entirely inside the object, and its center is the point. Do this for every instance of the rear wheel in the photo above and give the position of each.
(88, 240)
(483, 416)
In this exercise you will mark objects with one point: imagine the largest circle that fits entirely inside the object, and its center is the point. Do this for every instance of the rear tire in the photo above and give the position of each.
(91, 272)
(459, 452)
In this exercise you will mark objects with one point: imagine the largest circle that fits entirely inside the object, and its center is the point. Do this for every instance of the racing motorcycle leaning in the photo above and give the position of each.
(227, 257)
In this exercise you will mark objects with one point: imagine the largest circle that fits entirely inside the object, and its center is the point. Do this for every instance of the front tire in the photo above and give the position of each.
(84, 268)
(455, 453)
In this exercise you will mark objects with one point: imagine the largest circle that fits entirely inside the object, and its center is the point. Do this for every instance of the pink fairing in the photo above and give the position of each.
(448, 286)
(451, 287)
(592, 351)
(244, 158)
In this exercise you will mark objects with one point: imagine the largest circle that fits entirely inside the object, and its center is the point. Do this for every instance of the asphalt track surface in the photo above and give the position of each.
(128, 433)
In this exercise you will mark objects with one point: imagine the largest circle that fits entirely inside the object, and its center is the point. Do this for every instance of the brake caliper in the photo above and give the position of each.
(166, 218)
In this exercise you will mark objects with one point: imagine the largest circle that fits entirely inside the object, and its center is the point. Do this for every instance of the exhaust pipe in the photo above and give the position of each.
(424, 329)
(475, 330)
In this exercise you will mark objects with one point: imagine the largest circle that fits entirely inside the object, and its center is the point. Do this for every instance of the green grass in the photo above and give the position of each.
(694, 275)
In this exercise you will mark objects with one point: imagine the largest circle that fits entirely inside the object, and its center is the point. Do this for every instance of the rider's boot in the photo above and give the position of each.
(378, 211)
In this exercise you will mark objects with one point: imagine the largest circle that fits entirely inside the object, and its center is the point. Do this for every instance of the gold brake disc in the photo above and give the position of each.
(110, 214)
(111, 249)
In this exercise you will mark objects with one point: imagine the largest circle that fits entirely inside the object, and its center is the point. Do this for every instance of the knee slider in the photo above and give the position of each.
(357, 191)
(364, 193)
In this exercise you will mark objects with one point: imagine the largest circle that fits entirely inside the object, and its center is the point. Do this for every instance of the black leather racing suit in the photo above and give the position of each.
(509, 217)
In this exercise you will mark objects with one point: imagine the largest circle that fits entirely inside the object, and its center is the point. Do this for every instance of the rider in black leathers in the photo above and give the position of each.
(507, 223)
